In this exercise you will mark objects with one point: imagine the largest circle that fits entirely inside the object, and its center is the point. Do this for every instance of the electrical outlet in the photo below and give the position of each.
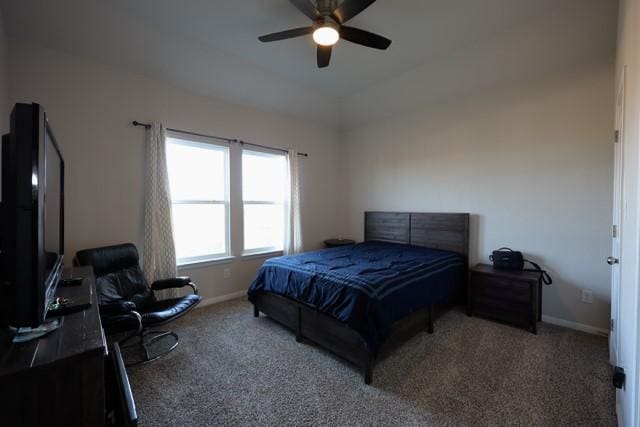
(586, 295)
(227, 273)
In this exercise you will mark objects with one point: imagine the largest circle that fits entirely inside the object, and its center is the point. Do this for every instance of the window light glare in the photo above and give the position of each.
(326, 36)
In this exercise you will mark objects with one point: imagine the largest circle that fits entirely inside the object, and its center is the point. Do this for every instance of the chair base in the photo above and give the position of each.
(143, 340)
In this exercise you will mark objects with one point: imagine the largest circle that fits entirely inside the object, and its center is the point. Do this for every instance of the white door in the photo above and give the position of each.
(616, 232)
(625, 263)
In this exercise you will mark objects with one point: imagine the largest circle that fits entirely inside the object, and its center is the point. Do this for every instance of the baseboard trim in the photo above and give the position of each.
(575, 325)
(548, 319)
(620, 414)
(223, 298)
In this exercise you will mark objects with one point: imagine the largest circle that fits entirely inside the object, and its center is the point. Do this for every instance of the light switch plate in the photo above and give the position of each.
(586, 295)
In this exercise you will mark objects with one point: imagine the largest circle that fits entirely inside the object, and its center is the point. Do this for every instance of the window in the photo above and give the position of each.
(199, 181)
(264, 181)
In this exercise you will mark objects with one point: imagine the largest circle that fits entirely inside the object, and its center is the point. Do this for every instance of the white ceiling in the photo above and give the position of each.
(441, 48)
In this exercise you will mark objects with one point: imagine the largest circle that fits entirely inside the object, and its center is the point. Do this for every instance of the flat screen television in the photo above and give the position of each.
(32, 214)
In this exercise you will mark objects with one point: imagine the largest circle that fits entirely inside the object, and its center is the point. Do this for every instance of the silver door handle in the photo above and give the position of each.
(612, 260)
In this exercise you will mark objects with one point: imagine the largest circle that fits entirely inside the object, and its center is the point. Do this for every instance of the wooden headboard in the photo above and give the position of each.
(449, 231)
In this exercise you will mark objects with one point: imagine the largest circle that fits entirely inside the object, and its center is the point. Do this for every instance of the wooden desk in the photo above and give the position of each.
(57, 380)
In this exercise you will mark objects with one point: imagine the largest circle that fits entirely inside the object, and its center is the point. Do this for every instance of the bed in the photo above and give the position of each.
(363, 300)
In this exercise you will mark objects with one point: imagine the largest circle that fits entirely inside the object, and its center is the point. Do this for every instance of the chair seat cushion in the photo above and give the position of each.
(116, 323)
(166, 310)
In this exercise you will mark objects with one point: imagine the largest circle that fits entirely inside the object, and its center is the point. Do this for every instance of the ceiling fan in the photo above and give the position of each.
(328, 27)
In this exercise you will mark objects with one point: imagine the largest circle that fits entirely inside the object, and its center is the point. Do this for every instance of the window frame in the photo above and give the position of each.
(266, 250)
(189, 140)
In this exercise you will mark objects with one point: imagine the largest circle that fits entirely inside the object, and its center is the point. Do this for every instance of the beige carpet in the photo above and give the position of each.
(234, 369)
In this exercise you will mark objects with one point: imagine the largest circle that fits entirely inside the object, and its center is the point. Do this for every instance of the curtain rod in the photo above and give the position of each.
(219, 138)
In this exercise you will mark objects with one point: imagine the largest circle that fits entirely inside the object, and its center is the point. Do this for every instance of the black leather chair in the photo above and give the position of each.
(127, 302)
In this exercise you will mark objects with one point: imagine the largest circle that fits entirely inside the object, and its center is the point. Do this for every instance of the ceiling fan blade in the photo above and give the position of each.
(350, 8)
(289, 34)
(365, 38)
(324, 56)
(308, 8)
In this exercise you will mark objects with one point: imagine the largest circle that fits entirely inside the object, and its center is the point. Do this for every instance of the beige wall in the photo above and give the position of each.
(91, 106)
(531, 162)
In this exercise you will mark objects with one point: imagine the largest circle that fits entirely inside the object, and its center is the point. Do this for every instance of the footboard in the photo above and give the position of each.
(306, 322)
(335, 336)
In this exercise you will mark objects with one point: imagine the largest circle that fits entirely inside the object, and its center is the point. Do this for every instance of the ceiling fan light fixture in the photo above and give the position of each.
(326, 35)
(328, 18)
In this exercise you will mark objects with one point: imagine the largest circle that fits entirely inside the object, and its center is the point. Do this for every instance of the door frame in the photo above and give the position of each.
(616, 220)
(635, 378)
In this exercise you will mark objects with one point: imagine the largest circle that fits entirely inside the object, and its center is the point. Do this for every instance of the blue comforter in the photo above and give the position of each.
(368, 286)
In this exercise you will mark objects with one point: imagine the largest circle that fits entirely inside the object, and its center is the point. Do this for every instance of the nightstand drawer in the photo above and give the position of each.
(336, 243)
(488, 304)
(501, 288)
(501, 310)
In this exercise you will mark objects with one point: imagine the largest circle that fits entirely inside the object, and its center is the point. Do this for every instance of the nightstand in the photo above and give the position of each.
(510, 296)
(334, 243)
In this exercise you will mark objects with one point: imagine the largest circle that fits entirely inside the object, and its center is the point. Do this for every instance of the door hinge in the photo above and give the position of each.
(614, 231)
(618, 377)
(616, 136)
(611, 325)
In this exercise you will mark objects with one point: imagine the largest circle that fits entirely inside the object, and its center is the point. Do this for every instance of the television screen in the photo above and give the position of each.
(52, 202)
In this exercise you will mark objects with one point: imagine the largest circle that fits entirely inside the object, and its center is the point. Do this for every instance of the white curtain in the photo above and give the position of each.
(293, 226)
(159, 255)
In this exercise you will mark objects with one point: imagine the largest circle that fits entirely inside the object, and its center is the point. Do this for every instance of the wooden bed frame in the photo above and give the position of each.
(448, 231)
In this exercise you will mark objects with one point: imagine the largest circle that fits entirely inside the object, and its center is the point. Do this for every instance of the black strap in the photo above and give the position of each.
(546, 279)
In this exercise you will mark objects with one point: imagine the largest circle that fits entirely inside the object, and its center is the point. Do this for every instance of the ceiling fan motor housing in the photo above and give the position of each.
(325, 7)
(326, 21)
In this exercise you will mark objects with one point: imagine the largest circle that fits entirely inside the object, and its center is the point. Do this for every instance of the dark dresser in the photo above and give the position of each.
(59, 379)
(510, 296)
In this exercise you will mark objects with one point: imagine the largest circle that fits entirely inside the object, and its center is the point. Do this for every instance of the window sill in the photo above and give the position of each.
(247, 256)
(206, 262)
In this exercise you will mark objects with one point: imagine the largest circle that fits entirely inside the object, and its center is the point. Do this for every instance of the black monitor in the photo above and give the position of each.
(32, 214)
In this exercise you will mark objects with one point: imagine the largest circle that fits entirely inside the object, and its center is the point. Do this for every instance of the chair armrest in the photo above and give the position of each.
(117, 307)
(178, 282)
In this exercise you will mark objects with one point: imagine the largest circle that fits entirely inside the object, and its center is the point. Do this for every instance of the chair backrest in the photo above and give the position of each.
(118, 273)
